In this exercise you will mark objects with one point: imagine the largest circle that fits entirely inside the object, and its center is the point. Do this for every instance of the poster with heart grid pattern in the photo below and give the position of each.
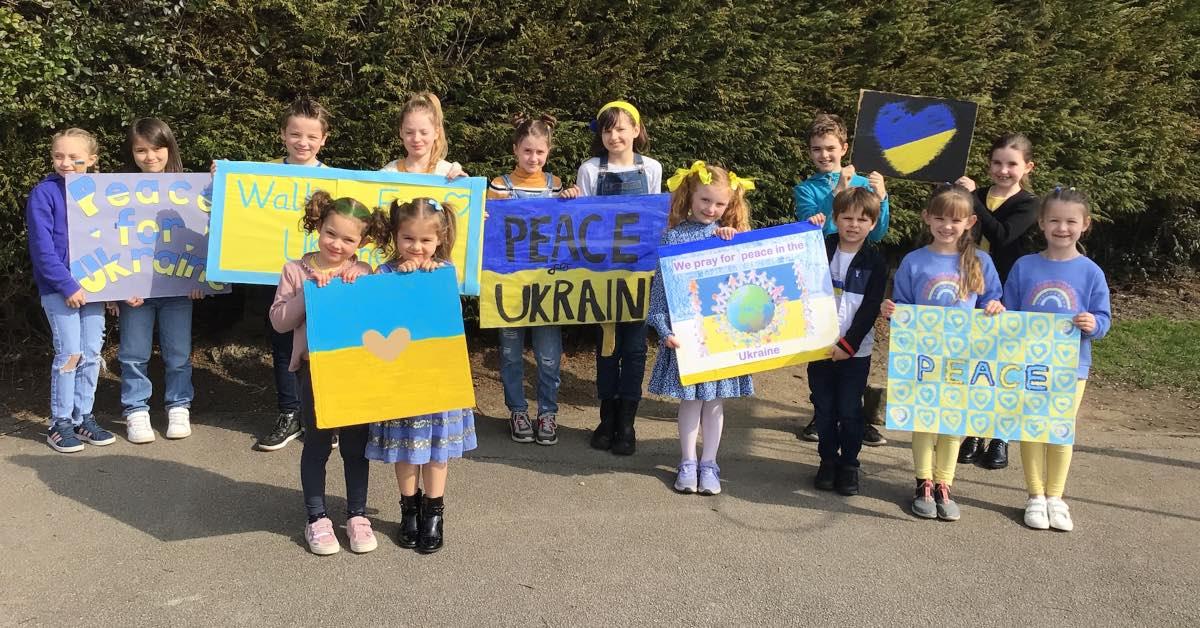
(961, 372)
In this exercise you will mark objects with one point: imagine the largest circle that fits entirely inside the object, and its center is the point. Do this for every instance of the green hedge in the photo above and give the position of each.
(1107, 90)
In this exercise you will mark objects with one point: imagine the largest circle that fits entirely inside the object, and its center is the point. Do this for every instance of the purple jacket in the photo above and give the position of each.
(46, 220)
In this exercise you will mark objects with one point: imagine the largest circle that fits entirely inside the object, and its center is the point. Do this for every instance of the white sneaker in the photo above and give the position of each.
(137, 427)
(179, 423)
(1060, 515)
(1035, 513)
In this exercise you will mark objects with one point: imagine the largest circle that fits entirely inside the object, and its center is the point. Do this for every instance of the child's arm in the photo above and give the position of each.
(1096, 321)
(806, 202)
(1015, 224)
(658, 316)
(878, 186)
(990, 301)
(287, 310)
(902, 285)
(864, 319)
(39, 218)
(1013, 288)
(586, 180)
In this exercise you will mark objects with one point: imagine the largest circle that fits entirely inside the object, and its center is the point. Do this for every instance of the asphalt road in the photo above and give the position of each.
(206, 531)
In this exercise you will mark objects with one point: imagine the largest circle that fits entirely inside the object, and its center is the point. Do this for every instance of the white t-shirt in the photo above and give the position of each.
(589, 172)
(443, 167)
(847, 302)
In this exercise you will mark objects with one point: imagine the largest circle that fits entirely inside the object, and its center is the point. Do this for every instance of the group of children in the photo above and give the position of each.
(706, 201)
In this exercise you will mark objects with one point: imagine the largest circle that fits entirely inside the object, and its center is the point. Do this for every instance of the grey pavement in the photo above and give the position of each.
(206, 531)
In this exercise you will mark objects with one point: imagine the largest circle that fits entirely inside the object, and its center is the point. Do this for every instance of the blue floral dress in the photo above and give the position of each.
(664, 380)
(420, 439)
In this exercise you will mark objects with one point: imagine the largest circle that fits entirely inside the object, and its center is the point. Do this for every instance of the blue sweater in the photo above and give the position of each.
(928, 278)
(815, 196)
(1037, 284)
(46, 221)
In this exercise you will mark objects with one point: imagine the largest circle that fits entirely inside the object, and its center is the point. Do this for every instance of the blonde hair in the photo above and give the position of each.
(93, 146)
(737, 214)
(956, 202)
(426, 102)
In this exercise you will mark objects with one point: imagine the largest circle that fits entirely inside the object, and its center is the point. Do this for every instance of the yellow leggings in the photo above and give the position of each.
(935, 456)
(1046, 465)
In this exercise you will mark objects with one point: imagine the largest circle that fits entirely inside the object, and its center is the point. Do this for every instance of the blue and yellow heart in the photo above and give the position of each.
(912, 140)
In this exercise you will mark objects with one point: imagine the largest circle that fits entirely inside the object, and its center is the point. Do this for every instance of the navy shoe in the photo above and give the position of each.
(90, 432)
(61, 437)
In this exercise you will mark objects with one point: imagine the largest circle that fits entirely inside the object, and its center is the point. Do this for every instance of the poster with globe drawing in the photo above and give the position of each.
(760, 301)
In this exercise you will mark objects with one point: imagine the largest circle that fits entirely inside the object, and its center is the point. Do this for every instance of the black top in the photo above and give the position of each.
(1008, 229)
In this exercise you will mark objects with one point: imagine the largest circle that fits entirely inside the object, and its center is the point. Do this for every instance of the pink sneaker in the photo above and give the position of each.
(320, 537)
(362, 538)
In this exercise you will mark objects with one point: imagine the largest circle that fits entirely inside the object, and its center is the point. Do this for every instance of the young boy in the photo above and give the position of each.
(827, 145)
(859, 278)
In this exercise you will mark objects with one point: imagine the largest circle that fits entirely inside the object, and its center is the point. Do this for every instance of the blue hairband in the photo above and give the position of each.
(435, 205)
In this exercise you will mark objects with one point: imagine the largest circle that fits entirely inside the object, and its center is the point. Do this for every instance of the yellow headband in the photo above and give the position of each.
(698, 168)
(623, 106)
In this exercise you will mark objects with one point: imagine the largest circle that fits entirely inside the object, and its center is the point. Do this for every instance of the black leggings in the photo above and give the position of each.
(318, 444)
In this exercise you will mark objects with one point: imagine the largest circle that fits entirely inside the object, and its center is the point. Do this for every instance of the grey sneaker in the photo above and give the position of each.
(923, 505)
(947, 510)
(547, 429)
(520, 428)
(685, 479)
(710, 479)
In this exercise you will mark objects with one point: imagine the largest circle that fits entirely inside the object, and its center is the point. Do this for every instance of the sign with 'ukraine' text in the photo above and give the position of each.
(139, 235)
(257, 209)
(956, 371)
(550, 261)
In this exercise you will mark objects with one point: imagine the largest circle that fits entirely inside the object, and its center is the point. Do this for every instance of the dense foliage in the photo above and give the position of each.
(1106, 89)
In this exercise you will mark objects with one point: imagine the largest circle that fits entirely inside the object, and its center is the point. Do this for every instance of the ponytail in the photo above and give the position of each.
(970, 270)
(321, 204)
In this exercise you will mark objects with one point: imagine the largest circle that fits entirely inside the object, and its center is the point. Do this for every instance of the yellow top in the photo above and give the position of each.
(993, 203)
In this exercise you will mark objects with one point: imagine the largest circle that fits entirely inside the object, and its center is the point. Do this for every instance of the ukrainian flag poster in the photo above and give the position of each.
(387, 346)
(912, 137)
(760, 301)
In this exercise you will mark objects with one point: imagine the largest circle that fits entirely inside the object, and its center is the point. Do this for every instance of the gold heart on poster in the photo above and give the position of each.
(389, 348)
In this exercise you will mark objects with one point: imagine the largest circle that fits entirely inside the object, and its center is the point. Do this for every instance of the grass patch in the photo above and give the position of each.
(1150, 352)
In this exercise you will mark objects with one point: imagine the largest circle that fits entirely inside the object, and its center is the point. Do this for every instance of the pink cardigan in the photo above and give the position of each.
(287, 311)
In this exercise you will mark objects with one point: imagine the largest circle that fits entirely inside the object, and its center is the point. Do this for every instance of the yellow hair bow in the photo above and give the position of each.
(735, 182)
(699, 168)
(623, 106)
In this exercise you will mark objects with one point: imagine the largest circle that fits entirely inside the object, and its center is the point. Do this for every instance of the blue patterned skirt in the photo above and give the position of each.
(420, 439)
(664, 380)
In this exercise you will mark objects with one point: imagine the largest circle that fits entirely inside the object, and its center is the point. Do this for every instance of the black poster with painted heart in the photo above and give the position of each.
(912, 137)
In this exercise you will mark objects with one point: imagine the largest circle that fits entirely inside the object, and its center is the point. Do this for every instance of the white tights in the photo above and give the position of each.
(693, 414)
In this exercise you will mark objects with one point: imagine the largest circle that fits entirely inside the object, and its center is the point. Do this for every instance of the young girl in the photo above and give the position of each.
(619, 168)
(531, 147)
(150, 147)
(1006, 212)
(1064, 216)
(950, 272)
(423, 131)
(76, 326)
(303, 129)
(419, 236)
(342, 226)
(706, 201)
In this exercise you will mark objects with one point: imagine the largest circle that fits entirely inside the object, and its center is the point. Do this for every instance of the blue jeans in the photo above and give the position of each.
(547, 353)
(620, 375)
(78, 336)
(174, 316)
(837, 391)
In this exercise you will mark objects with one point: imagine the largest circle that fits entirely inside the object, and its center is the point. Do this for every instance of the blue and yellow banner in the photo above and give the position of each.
(761, 301)
(913, 137)
(139, 235)
(387, 346)
(1012, 376)
(257, 209)
(549, 261)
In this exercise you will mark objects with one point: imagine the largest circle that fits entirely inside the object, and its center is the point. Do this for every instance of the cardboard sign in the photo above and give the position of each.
(912, 137)
(376, 353)
(257, 209)
(139, 235)
(552, 261)
(957, 371)
(760, 301)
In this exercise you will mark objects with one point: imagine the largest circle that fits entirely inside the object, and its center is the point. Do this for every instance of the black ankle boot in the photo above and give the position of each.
(410, 513)
(970, 450)
(431, 526)
(602, 437)
(996, 456)
(625, 439)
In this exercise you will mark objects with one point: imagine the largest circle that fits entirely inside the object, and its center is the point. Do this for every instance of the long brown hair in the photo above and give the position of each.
(737, 213)
(956, 202)
(384, 231)
(156, 133)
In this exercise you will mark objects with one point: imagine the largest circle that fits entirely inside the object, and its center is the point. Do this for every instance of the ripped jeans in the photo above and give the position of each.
(547, 355)
(78, 336)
